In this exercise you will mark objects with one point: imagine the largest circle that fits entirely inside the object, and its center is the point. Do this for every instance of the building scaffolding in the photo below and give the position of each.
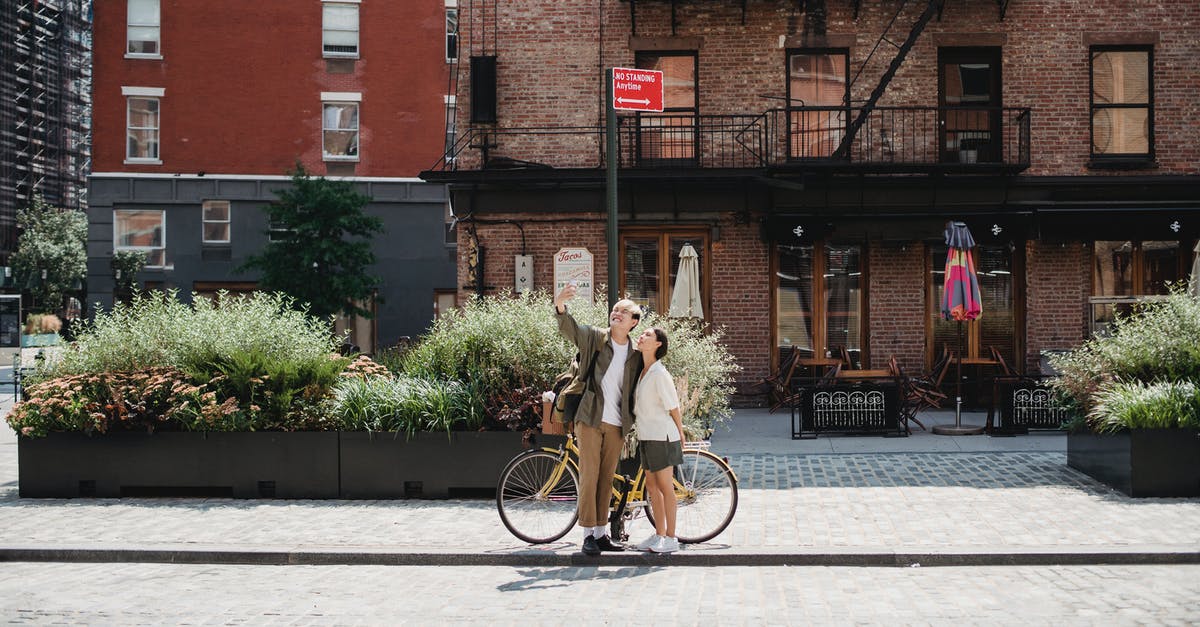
(45, 107)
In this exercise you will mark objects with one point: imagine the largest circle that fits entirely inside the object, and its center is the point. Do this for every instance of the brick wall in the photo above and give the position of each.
(549, 63)
(897, 307)
(1058, 284)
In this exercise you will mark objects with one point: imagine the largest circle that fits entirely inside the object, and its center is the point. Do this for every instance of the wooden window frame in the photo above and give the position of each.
(1103, 158)
(820, 315)
(664, 234)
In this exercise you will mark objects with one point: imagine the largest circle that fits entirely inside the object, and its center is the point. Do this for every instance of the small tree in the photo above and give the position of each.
(323, 258)
(51, 256)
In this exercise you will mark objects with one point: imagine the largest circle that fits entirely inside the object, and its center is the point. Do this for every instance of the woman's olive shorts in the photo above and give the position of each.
(659, 454)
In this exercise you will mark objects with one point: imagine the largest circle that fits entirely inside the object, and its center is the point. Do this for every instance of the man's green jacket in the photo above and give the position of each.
(588, 339)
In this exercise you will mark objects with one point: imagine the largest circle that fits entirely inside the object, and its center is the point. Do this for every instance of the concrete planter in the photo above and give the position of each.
(237, 465)
(1140, 462)
(429, 464)
(296, 465)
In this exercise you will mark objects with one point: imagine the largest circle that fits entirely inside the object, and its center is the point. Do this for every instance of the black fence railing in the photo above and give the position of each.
(890, 139)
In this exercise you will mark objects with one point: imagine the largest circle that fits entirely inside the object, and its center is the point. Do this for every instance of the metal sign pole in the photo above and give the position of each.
(611, 162)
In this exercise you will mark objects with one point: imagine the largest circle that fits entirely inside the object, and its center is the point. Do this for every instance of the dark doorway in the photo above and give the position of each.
(969, 103)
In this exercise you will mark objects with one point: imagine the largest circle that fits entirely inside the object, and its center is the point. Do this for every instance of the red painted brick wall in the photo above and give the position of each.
(243, 83)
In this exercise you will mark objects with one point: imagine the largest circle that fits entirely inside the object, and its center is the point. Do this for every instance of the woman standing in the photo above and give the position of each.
(660, 438)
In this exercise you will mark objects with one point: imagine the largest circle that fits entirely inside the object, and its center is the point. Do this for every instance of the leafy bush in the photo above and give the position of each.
(507, 343)
(105, 402)
(158, 331)
(1137, 405)
(1147, 358)
(237, 364)
(402, 404)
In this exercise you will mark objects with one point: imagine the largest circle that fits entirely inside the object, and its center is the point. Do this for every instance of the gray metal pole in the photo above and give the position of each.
(611, 162)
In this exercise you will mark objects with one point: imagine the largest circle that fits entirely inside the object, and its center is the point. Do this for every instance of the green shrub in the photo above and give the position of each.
(402, 404)
(157, 330)
(509, 343)
(1145, 359)
(239, 363)
(1137, 405)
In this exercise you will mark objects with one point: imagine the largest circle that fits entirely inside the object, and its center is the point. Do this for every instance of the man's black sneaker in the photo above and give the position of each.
(590, 547)
(606, 544)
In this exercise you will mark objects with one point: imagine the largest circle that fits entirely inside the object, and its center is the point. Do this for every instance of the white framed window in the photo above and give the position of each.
(142, 123)
(142, 230)
(215, 221)
(143, 27)
(339, 125)
(339, 29)
(451, 32)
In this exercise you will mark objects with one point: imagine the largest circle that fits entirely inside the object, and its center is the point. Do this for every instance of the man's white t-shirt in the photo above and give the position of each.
(610, 385)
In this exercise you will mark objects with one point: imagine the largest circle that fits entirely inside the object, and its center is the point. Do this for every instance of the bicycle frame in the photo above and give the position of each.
(631, 495)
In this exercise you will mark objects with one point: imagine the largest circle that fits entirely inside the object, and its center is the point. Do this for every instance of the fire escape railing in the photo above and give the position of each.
(899, 139)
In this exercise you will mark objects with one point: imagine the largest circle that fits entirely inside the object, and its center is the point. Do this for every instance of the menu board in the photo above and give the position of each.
(575, 264)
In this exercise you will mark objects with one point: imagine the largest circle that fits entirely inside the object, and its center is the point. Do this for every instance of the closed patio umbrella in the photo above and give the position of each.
(960, 302)
(685, 297)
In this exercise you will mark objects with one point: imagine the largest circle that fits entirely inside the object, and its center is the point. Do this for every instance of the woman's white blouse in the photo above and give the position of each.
(654, 399)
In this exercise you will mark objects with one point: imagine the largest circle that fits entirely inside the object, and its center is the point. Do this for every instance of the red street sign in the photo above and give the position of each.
(637, 90)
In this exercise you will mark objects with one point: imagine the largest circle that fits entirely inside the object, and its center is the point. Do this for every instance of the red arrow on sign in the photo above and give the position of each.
(637, 90)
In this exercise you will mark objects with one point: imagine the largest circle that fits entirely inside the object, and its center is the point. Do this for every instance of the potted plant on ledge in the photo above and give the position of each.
(1137, 392)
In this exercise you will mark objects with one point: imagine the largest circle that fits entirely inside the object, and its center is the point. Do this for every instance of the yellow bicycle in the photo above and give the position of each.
(538, 491)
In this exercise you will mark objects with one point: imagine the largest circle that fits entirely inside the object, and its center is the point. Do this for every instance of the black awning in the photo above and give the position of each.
(804, 229)
(1119, 224)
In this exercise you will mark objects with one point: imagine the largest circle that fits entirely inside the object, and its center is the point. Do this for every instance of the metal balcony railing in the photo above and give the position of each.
(891, 139)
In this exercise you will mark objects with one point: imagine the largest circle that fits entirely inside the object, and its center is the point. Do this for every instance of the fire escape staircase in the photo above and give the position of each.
(934, 7)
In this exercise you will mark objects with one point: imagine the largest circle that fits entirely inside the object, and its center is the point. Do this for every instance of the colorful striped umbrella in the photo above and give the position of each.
(960, 292)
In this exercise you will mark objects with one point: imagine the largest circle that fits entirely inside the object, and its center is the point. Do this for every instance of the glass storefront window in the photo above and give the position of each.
(820, 327)
(996, 327)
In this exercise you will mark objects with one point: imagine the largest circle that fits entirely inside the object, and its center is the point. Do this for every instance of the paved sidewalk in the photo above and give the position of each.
(833, 501)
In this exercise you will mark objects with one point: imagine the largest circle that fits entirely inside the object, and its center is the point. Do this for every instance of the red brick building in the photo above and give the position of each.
(201, 108)
(812, 152)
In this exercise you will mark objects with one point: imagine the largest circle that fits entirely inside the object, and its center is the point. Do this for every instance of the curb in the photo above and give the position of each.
(266, 557)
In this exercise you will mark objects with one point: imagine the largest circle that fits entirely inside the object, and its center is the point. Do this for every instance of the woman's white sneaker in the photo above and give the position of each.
(665, 544)
(645, 545)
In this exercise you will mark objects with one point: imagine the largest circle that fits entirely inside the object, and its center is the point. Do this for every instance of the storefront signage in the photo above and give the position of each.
(575, 264)
(637, 90)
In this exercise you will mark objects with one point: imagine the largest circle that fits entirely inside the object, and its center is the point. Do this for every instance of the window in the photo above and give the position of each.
(339, 127)
(1125, 272)
(451, 34)
(278, 231)
(142, 29)
(216, 222)
(339, 30)
(818, 94)
(670, 136)
(1122, 102)
(142, 124)
(444, 301)
(650, 265)
(451, 128)
(996, 328)
(144, 230)
(820, 326)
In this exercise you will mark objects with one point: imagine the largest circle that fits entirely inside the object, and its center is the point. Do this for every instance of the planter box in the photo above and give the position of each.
(1141, 462)
(297, 465)
(39, 339)
(428, 465)
(238, 465)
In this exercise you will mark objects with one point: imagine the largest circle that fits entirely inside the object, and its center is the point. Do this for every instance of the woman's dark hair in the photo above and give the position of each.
(661, 336)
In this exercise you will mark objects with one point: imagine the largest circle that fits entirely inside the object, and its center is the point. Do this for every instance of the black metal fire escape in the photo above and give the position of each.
(933, 8)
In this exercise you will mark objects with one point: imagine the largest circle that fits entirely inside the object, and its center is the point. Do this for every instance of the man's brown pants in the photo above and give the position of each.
(599, 451)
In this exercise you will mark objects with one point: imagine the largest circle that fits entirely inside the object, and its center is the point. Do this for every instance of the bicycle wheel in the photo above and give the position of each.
(533, 506)
(707, 496)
